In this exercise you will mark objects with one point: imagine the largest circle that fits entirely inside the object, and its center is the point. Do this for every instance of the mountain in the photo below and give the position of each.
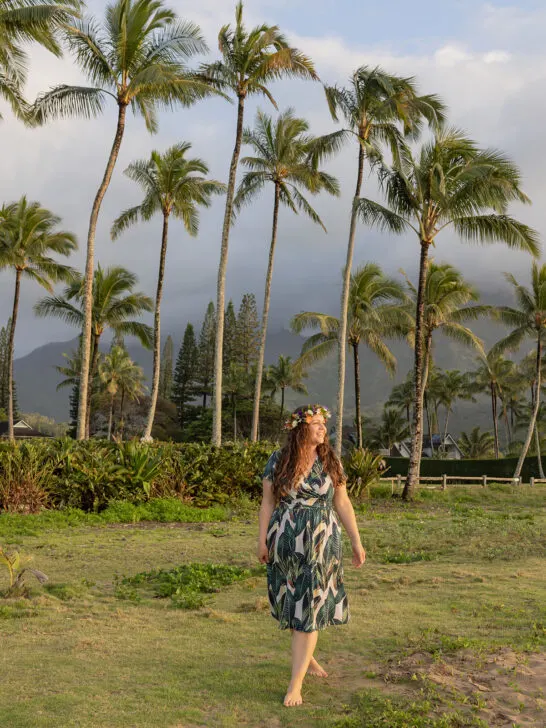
(37, 378)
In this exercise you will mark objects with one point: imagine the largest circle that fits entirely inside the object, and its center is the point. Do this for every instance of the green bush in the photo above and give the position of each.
(89, 475)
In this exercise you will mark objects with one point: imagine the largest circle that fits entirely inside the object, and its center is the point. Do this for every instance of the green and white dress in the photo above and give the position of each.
(305, 567)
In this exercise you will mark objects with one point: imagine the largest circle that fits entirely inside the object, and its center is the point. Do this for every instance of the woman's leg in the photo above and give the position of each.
(303, 646)
(314, 667)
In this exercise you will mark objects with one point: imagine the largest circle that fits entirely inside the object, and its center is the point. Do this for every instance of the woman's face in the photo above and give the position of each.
(317, 430)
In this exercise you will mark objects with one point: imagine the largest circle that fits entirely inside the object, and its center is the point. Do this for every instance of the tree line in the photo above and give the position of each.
(138, 56)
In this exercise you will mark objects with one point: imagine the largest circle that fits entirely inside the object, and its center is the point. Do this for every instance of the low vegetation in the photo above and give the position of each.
(163, 606)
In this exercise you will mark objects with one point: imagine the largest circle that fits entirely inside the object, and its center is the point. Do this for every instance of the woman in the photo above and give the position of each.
(300, 539)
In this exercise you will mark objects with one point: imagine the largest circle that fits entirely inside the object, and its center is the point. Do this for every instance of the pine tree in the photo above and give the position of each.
(248, 333)
(166, 372)
(183, 387)
(230, 335)
(205, 365)
(74, 401)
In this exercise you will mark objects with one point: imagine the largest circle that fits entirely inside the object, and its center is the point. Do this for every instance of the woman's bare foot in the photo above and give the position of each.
(316, 669)
(293, 696)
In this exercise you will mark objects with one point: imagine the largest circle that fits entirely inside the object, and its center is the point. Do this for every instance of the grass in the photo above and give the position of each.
(110, 640)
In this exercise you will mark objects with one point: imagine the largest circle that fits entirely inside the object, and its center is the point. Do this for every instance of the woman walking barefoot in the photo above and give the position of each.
(304, 492)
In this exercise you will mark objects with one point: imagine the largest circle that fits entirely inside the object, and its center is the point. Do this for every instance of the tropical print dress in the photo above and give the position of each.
(305, 570)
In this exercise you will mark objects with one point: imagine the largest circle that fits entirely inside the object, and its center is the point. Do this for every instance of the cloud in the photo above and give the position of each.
(488, 76)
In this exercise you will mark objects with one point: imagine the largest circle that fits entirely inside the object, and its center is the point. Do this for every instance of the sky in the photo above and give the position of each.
(487, 61)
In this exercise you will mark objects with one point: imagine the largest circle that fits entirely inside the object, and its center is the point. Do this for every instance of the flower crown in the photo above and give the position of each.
(305, 414)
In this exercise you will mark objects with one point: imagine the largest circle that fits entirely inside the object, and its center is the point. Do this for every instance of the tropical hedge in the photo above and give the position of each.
(90, 474)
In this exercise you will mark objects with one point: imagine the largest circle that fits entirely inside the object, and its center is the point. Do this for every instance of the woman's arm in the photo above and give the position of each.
(266, 509)
(344, 509)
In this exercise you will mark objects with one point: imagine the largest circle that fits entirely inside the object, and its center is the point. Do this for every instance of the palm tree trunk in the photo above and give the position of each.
(357, 396)
(445, 426)
(427, 415)
(495, 421)
(147, 437)
(539, 456)
(121, 425)
(532, 424)
(89, 269)
(345, 306)
(420, 362)
(92, 375)
(11, 349)
(111, 417)
(265, 315)
(221, 285)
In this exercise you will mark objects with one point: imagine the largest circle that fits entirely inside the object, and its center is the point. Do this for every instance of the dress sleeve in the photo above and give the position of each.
(270, 466)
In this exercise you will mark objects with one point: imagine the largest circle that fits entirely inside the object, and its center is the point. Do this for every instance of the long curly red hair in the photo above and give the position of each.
(290, 467)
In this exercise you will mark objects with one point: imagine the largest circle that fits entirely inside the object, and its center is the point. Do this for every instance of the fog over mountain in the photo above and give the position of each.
(486, 60)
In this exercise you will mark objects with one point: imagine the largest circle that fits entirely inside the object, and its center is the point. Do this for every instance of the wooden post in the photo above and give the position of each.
(484, 481)
(398, 482)
(516, 481)
(531, 481)
(444, 481)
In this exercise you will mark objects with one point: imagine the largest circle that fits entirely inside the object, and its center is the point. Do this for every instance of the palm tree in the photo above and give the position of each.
(137, 56)
(285, 155)
(115, 306)
(450, 183)
(27, 21)
(446, 297)
(117, 370)
(173, 185)
(526, 375)
(284, 375)
(529, 319)
(393, 428)
(28, 237)
(250, 61)
(491, 377)
(375, 312)
(477, 445)
(375, 106)
(402, 397)
(453, 385)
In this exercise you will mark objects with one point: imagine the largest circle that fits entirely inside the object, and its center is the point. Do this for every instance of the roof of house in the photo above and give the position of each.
(20, 429)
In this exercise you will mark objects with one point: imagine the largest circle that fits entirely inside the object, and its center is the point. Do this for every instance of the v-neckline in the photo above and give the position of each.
(312, 468)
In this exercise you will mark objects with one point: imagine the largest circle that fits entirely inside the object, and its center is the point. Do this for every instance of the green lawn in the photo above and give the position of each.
(448, 623)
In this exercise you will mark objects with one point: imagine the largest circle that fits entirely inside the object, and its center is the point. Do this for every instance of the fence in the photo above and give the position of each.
(443, 479)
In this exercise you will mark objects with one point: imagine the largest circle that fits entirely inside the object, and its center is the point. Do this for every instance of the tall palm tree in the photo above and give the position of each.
(173, 185)
(27, 21)
(492, 376)
(137, 56)
(115, 306)
(377, 107)
(251, 59)
(449, 183)
(477, 444)
(376, 312)
(283, 375)
(528, 319)
(285, 156)
(28, 238)
(117, 371)
(526, 376)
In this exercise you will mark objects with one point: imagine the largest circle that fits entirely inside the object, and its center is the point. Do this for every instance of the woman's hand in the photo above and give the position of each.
(262, 553)
(359, 555)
